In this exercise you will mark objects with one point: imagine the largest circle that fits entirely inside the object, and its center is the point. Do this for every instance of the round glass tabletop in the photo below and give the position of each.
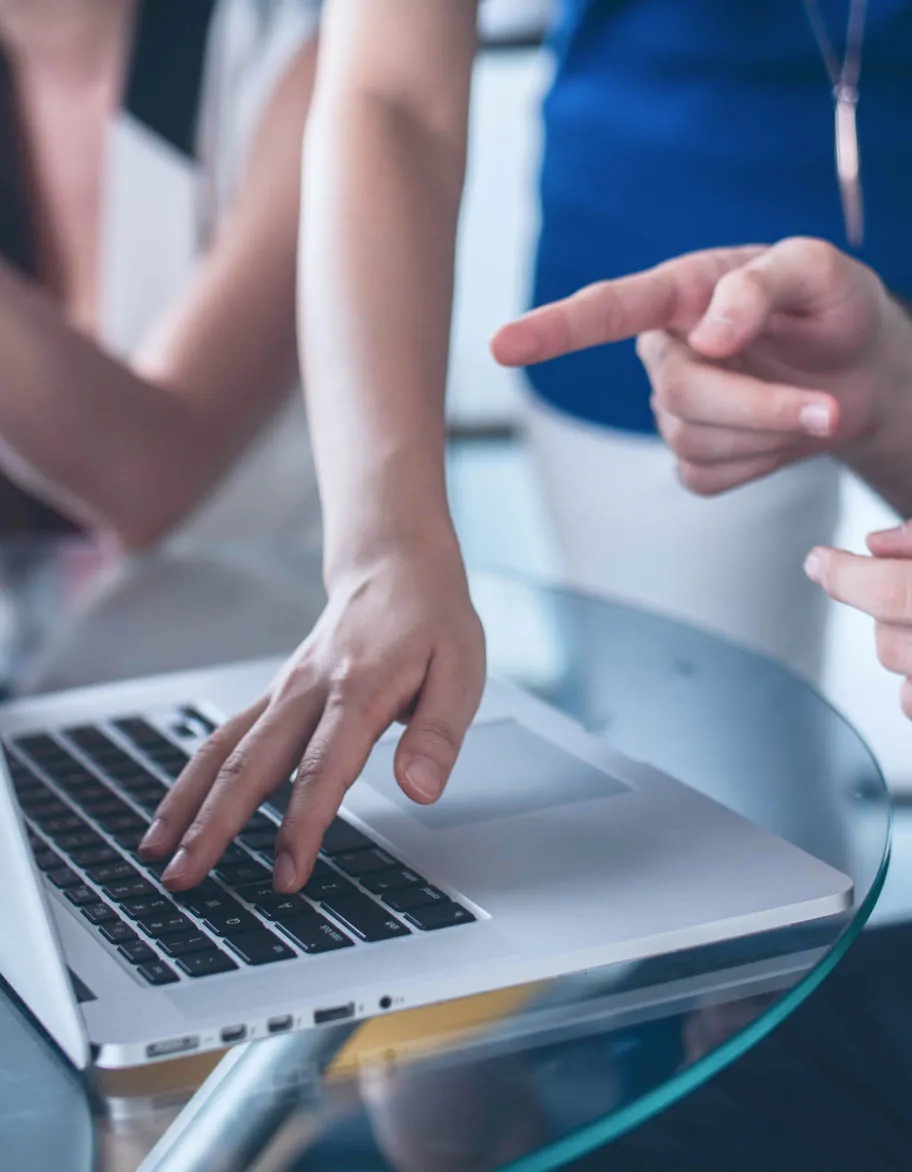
(527, 1078)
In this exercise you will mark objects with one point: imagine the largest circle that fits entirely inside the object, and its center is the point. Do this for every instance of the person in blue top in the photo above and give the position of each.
(672, 125)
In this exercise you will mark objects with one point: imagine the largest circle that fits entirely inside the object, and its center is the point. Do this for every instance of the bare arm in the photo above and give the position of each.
(385, 157)
(133, 450)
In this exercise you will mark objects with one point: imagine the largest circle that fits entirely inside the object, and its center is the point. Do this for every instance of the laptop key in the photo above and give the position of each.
(92, 856)
(128, 889)
(160, 926)
(242, 874)
(99, 913)
(364, 862)
(439, 915)
(326, 882)
(85, 793)
(383, 881)
(63, 878)
(125, 820)
(313, 934)
(368, 920)
(81, 895)
(185, 943)
(261, 947)
(342, 837)
(78, 839)
(258, 821)
(111, 872)
(136, 951)
(60, 824)
(117, 932)
(207, 893)
(412, 897)
(37, 746)
(272, 905)
(233, 854)
(131, 838)
(259, 840)
(206, 964)
(229, 921)
(100, 805)
(46, 859)
(148, 800)
(156, 972)
(151, 906)
(172, 762)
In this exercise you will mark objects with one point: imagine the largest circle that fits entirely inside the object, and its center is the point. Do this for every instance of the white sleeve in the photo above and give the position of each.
(251, 44)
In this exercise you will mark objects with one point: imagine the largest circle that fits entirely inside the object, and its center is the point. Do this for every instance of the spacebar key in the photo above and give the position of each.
(365, 918)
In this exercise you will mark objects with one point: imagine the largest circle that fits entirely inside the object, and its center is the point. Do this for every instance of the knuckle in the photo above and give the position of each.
(312, 766)
(696, 479)
(673, 391)
(436, 731)
(892, 594)
(213, 751)
(236, 769)
(753, 279)
(892, 651)
(296, 679)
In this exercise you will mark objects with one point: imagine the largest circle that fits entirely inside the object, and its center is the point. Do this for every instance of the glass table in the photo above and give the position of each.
(528, 1078)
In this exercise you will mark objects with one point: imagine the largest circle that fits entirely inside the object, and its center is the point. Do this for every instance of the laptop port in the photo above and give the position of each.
(232, 1034)
(172, 1046)
(280, 1025)
(337, 1013)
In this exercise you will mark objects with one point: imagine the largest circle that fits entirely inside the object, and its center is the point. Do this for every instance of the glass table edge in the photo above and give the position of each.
(595, 1135)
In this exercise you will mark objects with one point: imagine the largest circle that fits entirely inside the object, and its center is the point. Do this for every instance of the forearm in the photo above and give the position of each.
(83, 431)
(884, 459)
(377, 259)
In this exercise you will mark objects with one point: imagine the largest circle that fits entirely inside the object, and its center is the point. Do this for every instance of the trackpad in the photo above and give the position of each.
(504, 769)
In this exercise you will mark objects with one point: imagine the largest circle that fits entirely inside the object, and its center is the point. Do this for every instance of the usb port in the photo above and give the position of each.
(280, 1025)
(338, 1013)
(232, 1034)
(172, 1046)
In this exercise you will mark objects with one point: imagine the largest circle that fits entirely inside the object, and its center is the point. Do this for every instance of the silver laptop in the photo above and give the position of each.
(548, 854)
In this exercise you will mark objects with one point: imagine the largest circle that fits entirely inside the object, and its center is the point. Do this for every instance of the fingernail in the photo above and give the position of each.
(176, 869)
(815, 419)
(896, 531)
(155, 837)
(815, 566)
(285, 875)
(715, 326)
(425, 778)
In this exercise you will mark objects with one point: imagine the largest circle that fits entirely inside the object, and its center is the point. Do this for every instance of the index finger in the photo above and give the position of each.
(880, 587)
(673, 295)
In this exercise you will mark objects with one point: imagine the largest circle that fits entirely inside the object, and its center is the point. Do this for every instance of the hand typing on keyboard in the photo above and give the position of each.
(398, 640)
(86, 794)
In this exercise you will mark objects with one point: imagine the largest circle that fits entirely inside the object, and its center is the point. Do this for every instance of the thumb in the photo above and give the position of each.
(892, 543)
(434, 734)
(795, 275)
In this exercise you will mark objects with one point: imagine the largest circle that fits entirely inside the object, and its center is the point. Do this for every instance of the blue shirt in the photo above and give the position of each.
(674, 125)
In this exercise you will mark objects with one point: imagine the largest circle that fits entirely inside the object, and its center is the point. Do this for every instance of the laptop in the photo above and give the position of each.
(549, 853)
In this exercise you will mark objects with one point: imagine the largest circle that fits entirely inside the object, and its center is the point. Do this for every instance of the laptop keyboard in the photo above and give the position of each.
(87, 795)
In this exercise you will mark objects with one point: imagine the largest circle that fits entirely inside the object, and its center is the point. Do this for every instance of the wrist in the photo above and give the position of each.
(391, 537)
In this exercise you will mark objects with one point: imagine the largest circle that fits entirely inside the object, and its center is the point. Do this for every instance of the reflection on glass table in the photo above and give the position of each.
(534, 1076)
